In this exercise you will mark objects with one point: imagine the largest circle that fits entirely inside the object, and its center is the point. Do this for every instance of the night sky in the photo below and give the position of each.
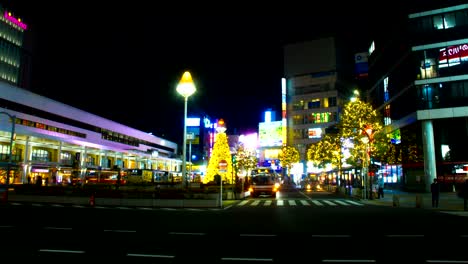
(123, 61)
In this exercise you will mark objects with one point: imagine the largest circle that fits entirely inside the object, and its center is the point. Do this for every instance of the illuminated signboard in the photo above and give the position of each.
(270, 134)
(193, 121)
(315, 132)
(16, 21)
(452, 55)
(249, 141)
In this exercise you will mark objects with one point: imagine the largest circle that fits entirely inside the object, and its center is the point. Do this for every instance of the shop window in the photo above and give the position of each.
(40, 155)
(66, 158)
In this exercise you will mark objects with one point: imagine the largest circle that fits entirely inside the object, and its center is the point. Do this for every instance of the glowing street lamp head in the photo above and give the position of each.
(186, 87)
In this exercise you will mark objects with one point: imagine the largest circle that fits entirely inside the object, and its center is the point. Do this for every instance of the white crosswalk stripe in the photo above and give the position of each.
(341, 202)
(329, 203)
(355, 203)
(243, 203)
(255, 203)
(317, 203)
(302, 202)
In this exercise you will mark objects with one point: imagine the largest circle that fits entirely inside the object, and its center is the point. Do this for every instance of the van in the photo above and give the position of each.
(265, 181)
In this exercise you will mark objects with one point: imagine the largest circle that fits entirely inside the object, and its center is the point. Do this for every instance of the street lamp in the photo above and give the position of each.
(186, 88)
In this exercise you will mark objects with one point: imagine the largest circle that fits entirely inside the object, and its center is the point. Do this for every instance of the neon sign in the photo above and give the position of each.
(14, 20)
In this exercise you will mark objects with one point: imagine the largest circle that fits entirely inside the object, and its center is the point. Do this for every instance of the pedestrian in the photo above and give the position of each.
(435, 190)
(381, 185)
(464, 193)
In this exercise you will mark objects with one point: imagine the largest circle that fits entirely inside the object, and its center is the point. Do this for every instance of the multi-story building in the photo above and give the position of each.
(419, 75)
(52, 140)
(316, 86)
(15, 60)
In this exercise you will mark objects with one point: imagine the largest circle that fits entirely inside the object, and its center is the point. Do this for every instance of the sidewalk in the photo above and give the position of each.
(448, 201)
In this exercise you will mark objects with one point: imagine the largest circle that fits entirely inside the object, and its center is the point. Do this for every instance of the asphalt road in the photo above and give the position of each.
(297, 230)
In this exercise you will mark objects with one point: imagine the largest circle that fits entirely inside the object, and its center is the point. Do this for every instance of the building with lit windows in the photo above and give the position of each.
(313, 92)
(58, 143)
(419, 76)
(15, 61)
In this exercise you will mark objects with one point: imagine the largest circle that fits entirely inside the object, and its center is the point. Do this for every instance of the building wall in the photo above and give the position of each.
(425, 71)
(61, 128)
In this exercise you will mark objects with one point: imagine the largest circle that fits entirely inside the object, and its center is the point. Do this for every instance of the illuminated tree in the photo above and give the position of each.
(327, 151)
(246, 159)
(289, 155)
(361, 123)
(315, 154)
(221, 152)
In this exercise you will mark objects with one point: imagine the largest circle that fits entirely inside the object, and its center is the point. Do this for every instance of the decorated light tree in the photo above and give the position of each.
(220, 162)
(289, 155)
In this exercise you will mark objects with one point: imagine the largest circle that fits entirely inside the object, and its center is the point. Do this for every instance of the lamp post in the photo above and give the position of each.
(367, 139)
(186, 88)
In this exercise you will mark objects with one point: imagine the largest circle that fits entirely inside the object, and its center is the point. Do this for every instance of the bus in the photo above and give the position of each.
(264, 181)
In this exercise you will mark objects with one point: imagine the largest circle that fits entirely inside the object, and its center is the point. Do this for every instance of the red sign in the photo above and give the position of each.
(222, 165)
(453, 53)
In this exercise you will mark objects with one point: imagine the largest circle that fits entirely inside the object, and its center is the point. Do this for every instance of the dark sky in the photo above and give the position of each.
(123, 61)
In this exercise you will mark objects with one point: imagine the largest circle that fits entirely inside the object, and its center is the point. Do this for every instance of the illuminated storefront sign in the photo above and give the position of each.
(315, 132)
(452, 55)
(270, 134)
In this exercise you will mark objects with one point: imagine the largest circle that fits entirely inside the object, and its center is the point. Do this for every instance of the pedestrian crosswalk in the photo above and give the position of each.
(297, 203)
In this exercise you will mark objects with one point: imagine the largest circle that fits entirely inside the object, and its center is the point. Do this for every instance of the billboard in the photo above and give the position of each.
(270, 134)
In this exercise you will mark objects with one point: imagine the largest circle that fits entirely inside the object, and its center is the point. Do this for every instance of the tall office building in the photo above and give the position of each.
(419, 76)
(15, 60)
(317, 85)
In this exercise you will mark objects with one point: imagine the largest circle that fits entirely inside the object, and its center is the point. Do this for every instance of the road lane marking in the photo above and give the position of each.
(257, 235)
(292, 202)
(334, 236)
(279, 202)
(304, 202)
(329, 203)
(267, 203)
(255, 203)
(145, 208)
(317, 202)
(57, 228)
(149, 255)
(190, 234)
(243, 203)
(36, 204)
(57, 205)
(123, 207)
(405, 235)
(78, 206)
(16, 204)
(349, 260)
(62, 251)
(248, 259)
(355, 203)
(446, 261)
(341, 202)
(120, 231)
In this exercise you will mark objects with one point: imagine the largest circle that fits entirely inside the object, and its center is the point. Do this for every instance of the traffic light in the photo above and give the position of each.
(234, 159)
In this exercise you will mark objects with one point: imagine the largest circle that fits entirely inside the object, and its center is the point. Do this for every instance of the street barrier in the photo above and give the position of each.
(396, 200)
(419, 201)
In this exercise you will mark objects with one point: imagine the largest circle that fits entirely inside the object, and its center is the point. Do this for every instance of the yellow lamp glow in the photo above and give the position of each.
(186, 87)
